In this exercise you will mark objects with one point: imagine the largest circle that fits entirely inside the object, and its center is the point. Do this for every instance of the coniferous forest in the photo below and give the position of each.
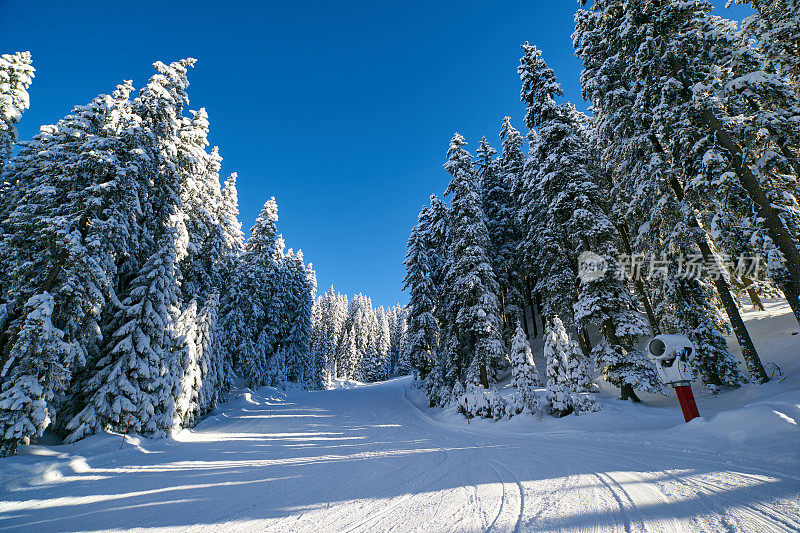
(657, 213)
(131, 301)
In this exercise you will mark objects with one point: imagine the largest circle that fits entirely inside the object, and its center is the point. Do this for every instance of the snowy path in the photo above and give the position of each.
(367, 459)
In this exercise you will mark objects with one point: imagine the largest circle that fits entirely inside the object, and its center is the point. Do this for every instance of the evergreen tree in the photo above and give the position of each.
(423, 330)
(499, 209)
(133, 384)
(577, 369)
(556, 345)
(16, 75)
(524, 376)
(470, 280)
(680, 47)
(41, 374)
(774, 28)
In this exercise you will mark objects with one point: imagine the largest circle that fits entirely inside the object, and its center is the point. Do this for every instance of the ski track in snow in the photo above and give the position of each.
(367, 459)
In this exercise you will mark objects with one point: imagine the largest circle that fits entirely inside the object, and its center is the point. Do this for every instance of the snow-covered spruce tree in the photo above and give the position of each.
(556, 344)
(544, 257)
(214, 376)
(376, 368)
(200, 243)
(511, 167)
(363, 322)
(134, 385)
(329, 317)
(524, 377)
(262, 266)
(762, 108)
(423, 330)
(576, 218)
(348, 354)
(297, 344)
(560, 399)
(579, 378)
(471, 283)
(16, 75)
(229, 231)
(645, 185)
(315, 377)
(774, 28)
(41, 373)
(186, 367)
(200, 373)
(499, 210)
(398, 327)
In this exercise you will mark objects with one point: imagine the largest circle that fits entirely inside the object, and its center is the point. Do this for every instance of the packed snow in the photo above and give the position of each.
(374, 458)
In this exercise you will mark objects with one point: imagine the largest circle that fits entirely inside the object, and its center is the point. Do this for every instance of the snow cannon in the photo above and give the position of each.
(671, 355)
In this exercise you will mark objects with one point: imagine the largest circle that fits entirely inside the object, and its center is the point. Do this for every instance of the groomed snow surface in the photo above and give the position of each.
(374, 458)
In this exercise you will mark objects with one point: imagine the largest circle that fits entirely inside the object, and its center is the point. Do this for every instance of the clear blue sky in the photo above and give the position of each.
(341, 110)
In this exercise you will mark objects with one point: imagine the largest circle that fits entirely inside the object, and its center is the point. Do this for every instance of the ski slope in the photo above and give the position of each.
(368, 459)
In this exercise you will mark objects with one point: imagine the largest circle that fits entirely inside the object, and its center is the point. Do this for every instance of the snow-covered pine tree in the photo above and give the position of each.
(511, 166)
(16, 75)
(498, 207)
(398, 325)
(677, 136)
(41, 374)
(200, 242)
(254, 311)
(186, 368)
(423, 330)
(774, 26)
(301, 367)
(577, 369)
(136, 378)
(556, 344)
(379, 367)
(470, 281)
(214, 379)
(329, 317)
(543, 256)
(133, 385)
(524, 376)
(229, 229)
(348, 354)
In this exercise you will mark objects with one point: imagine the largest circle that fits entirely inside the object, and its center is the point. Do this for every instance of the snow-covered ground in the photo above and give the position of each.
(373, 458)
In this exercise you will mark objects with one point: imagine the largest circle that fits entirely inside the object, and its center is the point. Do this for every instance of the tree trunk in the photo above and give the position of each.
(484, 377)
(737, 324)
(637, 281)
(533, 317)
(752, 293)
(529, 293)
(627, 392)
(793, 161)
(587, 340)
(538, 300)
(793, 297)
(583, 341)
(525, 322)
